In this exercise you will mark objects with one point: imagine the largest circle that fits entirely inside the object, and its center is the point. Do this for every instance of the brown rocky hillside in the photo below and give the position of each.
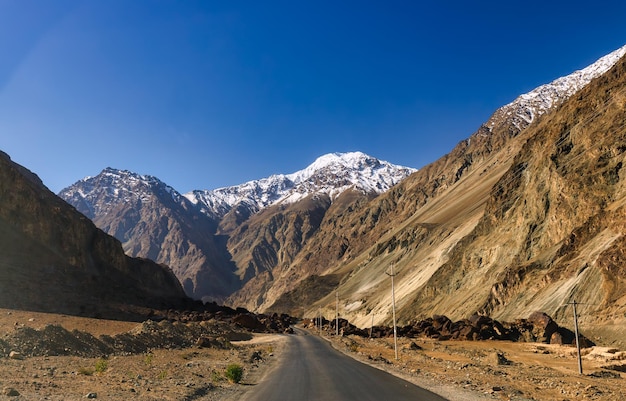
(505, 225)
(52, 258)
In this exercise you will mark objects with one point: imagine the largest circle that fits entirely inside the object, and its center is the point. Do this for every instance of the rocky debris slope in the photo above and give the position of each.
(510, 222)
(539, 327)
(210, 326)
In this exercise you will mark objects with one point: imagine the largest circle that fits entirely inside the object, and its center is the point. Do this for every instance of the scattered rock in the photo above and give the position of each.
(15, 355)
(11, 392)
(414, 346)
(92, 395)
(256, 356)
(605, 374)
(498, 359)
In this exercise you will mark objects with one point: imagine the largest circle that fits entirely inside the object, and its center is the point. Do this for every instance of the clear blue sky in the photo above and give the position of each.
(204, 94)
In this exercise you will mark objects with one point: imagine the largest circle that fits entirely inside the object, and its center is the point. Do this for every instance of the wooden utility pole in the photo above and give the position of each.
(580, 362)
(393, 308)
(337, 313)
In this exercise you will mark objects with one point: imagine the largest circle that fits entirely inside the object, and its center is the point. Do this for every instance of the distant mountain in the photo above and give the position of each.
(54, 259)
(191, 233)
(154, 221)
(331, 174)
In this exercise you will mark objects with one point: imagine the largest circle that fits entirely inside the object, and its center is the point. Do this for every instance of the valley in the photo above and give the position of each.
(121, 287)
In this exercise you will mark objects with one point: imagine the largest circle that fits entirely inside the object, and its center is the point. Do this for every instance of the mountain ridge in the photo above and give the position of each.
(195, 236)
(354, 170)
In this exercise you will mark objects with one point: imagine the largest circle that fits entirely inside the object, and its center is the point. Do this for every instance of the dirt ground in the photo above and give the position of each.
(500, 370)
(457, 370)
(162, 374)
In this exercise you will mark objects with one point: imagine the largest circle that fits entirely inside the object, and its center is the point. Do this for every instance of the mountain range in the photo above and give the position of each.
(526, 214)
(193, 233)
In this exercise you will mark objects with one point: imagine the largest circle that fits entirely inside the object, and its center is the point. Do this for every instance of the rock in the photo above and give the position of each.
(250, 322)
(92, 395)
(556, 338)
(498, 359)
(15, 355)
(543, 326)
(11, 392)
(414, 346)
(256, 356)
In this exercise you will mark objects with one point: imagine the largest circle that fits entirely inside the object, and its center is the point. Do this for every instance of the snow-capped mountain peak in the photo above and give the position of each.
(527, 107)
(329, 174)
(97, 195)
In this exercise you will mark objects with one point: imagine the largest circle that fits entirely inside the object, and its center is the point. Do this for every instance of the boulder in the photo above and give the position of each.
(543, 326)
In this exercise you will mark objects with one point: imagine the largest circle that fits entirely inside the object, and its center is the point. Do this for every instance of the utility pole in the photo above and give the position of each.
(393, 308)
(580, 362)
(372, 326)
(337, 313)
(319, 311)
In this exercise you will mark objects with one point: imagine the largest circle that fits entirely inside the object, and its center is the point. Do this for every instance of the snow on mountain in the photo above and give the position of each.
(95, 196)
(330, 174)
(527, 107)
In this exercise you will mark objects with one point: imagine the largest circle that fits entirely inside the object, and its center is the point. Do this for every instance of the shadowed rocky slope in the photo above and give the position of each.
(52, 258)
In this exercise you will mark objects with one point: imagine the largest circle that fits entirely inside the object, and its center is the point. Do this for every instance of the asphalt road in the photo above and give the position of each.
(312, 370)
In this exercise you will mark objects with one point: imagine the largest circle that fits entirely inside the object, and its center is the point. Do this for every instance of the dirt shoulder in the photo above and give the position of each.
(502, 370)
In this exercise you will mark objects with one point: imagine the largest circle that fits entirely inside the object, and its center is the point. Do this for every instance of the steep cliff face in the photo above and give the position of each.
(52, 258)
(534, 220)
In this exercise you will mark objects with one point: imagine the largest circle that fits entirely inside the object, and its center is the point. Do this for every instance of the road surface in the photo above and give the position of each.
(312, 370)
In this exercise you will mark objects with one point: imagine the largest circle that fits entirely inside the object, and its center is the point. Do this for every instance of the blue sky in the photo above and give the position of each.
(205, 94)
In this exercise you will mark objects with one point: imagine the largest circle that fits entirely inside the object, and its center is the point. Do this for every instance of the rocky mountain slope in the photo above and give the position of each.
(154, 221)
(216, 241)
(517, 218)
(52, 258)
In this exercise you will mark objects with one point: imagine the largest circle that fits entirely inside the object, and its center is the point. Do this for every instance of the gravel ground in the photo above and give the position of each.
(457, 370)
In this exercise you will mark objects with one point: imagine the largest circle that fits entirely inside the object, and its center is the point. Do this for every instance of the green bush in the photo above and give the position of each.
(234, 373)
(101, 365)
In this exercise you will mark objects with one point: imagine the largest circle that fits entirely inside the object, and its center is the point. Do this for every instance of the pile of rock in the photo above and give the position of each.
(241, 317)
(201, 325)
(539, 327)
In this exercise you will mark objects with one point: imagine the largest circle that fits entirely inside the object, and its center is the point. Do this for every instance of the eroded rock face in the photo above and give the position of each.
(55, 259)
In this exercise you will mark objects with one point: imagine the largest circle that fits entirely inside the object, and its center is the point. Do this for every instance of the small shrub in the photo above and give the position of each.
(354, 347)
(147, 359)
(101, 365)
(163, 375)
(234, 373)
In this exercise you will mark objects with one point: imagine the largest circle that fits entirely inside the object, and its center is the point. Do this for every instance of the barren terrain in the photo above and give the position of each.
(458, 370)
